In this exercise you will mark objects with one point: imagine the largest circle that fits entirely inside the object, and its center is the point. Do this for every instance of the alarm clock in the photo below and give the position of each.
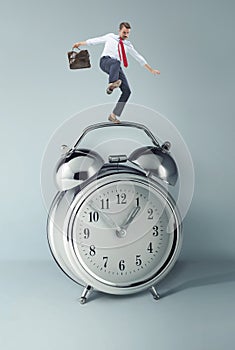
(114, 225)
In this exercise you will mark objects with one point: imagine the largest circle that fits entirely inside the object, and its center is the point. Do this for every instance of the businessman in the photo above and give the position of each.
(112, 58)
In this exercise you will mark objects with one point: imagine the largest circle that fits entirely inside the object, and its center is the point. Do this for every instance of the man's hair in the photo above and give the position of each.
(125, 24)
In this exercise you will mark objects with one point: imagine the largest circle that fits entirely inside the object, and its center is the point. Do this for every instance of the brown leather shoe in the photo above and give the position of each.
(113, 119)
(113, 86)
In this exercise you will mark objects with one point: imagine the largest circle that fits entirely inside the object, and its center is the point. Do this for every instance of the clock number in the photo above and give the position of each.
(105, 203)
(105, 259)
(150, 213)
(122, 265)
(150, 248)
(155, 231)
(94, 216)
(138, 261)
(92, 250)
(86, 233)
(121, 198)
(137, 201)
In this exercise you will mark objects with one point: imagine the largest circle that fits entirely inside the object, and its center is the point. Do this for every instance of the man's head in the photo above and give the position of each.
(124, 30)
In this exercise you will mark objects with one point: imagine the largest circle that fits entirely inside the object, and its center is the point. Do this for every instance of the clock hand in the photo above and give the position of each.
(106, 217)
(129, 219)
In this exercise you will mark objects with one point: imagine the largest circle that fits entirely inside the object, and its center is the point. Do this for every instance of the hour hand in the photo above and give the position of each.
(130, 218)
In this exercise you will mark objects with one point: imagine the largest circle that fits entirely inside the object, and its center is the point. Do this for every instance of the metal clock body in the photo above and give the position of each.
(113, 227)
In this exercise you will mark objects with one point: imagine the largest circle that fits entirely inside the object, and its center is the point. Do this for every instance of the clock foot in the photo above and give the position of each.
(85, 294)
(154, 293)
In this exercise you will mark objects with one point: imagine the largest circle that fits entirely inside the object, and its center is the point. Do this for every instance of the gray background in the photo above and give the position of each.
(192, 43)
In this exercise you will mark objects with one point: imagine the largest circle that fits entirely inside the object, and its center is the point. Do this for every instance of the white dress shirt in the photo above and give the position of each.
(111, 41)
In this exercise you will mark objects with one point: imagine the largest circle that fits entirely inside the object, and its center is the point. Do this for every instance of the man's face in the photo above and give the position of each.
(124, 33)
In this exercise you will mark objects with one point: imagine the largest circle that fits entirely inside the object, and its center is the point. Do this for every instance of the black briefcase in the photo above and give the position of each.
(79, 60)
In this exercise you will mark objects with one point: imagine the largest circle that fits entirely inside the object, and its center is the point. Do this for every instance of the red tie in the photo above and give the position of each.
(122, 54)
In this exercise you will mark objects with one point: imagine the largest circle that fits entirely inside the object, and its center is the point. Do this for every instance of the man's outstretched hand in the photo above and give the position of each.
(80, 43)
(76, 45)
(151, 70)
(155, 71)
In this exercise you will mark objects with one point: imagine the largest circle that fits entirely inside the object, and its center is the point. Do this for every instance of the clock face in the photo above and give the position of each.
(124, 232)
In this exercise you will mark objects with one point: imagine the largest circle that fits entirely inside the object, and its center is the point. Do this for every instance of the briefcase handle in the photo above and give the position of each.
(73, 48)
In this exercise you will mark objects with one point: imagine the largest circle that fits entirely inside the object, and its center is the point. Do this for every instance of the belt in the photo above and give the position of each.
(114, 58)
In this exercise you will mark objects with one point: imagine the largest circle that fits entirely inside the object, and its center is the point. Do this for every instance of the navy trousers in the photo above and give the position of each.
(113, 68)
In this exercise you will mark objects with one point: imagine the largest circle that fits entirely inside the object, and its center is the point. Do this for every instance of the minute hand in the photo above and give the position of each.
(106, 217)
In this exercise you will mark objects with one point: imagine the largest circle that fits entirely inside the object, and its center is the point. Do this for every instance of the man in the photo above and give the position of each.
(113, 55)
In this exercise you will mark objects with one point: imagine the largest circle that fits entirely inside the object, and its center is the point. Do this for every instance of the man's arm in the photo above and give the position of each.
(141, 60)
(93, 41)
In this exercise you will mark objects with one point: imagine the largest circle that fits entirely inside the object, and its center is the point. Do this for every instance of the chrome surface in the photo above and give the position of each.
(118, 158)
(166, 146)
(76, 167)
(121, 232)
(85, 294)
(112, 125)
(157, 162)
(64, 149)
(154, 293)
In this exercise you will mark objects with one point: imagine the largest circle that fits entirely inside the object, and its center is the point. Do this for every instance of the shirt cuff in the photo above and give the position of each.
(143, 63)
